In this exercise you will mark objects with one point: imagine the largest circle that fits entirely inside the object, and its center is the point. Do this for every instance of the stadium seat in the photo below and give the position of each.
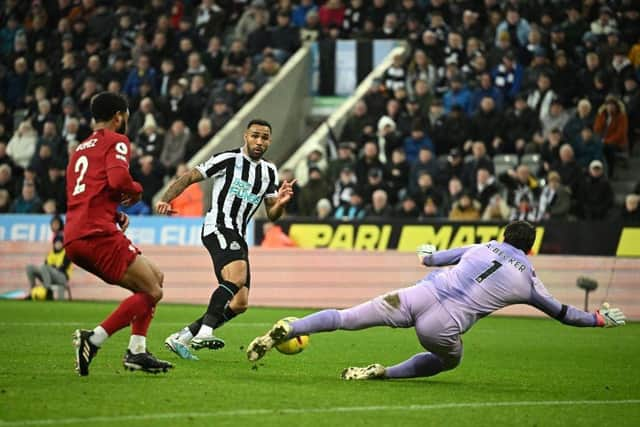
(500, 168)
(533, 161)
(621, 189)
(506, 159)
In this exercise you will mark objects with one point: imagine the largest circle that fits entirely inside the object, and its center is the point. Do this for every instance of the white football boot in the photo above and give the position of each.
(371, 372)
(278, 333)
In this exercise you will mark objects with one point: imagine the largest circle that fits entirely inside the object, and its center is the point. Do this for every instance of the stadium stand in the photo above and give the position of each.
(504, 73)
(186, 68)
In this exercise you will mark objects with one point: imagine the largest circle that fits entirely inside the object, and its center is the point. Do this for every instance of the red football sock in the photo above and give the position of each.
(140, 324)
(137, 307)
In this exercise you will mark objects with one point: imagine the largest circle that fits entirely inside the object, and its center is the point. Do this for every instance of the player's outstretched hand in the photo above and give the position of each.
(164, 208)
(610, 317)
(425, 250)
(285, 192)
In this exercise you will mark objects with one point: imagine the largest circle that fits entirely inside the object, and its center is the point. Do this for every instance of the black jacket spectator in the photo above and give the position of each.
(315, 189)
(520, 123)
(597, 197)
(258, 41)
(486, 126)
(149, 173)
(480, 160)
(284, 36)
(356, 122)
(456, 130)
(53, 187)
(454, 167)
(485, 187)
(368, 161)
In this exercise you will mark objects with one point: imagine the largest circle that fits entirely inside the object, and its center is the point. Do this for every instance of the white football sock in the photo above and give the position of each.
(99, 336)
(185, 336)
(205, 331)
(137, 344)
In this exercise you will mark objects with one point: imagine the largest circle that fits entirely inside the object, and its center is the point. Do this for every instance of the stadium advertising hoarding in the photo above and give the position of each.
(143, 230)
(572, 238)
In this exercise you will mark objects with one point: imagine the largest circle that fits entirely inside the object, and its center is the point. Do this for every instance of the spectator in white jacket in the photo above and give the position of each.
(22, 144)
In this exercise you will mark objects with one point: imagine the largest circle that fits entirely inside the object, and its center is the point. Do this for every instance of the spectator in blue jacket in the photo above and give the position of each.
(15, 84)
(143, 72)
(517, 27)
(28, 202)
(588, 147)
(486, 89)
(354, 211)
(416, 141)
(507, 76)
(299, 14)
(457, 94)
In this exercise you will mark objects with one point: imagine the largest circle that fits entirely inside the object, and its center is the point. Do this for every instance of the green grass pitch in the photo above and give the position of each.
(516, 372)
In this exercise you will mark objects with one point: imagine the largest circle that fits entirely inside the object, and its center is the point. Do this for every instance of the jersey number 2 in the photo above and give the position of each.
(489, 271)
(81, 166)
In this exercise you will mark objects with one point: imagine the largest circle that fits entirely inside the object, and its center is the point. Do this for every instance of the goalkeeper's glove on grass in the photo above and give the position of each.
(610, 317)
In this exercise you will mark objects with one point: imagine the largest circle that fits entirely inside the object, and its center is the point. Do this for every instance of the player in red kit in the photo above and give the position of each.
(98, 180)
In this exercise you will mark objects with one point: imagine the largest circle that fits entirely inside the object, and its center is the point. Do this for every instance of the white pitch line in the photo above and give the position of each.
(40, 324)
(297, 411)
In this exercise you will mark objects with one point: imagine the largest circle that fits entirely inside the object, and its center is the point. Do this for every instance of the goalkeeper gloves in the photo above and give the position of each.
(425, 250)
(610, 317)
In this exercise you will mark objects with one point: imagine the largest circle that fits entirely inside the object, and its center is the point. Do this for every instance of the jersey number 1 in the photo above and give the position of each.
(489, 271)
(81, 166)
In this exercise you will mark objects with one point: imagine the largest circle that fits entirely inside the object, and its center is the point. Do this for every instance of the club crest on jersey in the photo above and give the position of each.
(234, 246)
(242, 190)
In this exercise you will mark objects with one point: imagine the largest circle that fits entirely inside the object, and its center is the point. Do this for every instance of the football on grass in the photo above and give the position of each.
(39, 293)
(294, 345)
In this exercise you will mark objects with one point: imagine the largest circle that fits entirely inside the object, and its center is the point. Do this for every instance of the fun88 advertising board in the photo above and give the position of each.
(143, 230)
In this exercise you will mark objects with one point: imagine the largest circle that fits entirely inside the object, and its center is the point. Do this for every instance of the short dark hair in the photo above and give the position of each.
(521, 235)
(105, 105)
(259, 122)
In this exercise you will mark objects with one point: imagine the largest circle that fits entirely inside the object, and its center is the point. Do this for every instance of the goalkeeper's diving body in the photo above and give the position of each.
(445, 304)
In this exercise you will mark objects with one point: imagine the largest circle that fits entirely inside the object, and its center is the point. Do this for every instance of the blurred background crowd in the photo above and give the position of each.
(500, 109)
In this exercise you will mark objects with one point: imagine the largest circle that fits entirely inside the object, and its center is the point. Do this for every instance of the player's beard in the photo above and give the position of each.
(256, 155)
(122, 128)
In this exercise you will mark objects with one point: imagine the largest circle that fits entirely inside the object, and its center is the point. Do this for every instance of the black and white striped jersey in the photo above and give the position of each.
(239, 185)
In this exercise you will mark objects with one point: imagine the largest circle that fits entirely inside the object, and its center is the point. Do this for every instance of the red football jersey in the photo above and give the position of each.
(91, 199)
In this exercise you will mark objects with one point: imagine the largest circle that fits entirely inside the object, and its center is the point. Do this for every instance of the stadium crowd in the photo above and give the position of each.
(501, 110)
(185, 66)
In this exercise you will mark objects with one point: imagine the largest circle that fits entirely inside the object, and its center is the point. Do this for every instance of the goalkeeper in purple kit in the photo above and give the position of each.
(445, 304)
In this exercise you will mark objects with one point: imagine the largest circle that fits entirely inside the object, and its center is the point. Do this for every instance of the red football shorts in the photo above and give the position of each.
(108, 257)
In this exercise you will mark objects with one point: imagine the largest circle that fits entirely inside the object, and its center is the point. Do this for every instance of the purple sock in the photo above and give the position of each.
(322, 321)
(420, 365)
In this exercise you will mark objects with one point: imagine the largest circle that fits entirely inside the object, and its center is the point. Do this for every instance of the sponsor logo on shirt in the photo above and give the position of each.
(242, 190)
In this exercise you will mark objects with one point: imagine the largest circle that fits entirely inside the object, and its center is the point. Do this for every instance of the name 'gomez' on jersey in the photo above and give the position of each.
(239, 186)
(97, 174)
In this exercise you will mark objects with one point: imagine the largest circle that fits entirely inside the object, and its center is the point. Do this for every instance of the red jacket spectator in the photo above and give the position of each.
(331, 13)
(612, 124)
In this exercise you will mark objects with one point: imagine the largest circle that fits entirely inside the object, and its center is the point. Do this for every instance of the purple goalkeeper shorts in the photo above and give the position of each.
(417, 306)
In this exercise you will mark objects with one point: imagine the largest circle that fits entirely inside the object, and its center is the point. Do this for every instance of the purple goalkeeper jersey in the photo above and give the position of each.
(488, 277)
